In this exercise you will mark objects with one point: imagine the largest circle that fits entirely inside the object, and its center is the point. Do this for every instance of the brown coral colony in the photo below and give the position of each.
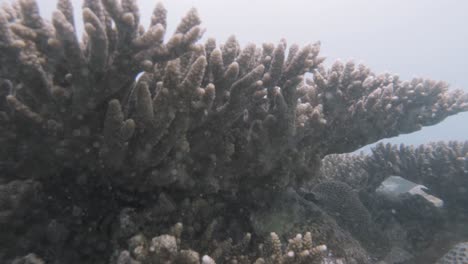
(126, 117)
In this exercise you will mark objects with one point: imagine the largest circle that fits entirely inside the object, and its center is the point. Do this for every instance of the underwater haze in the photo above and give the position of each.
(237, 132)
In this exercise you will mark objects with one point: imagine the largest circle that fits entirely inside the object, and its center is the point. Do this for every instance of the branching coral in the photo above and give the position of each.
(166, 249)
(199, 112)
(122, 114)
(440, 166)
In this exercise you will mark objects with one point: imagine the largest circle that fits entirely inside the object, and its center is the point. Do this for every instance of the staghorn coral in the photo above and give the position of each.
(221, 231)
(168, 249)
(240, 125)
(441, 166)
(198, 111)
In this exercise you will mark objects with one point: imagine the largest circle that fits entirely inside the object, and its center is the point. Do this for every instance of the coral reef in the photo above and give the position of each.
(166, 249)
(456, 254)
(341, 202)
(440, 166)
(109, 139)
(428, 231)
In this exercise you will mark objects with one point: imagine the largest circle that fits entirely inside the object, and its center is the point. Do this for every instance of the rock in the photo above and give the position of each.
(287, 214)
(164, 247)
(397, 255)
